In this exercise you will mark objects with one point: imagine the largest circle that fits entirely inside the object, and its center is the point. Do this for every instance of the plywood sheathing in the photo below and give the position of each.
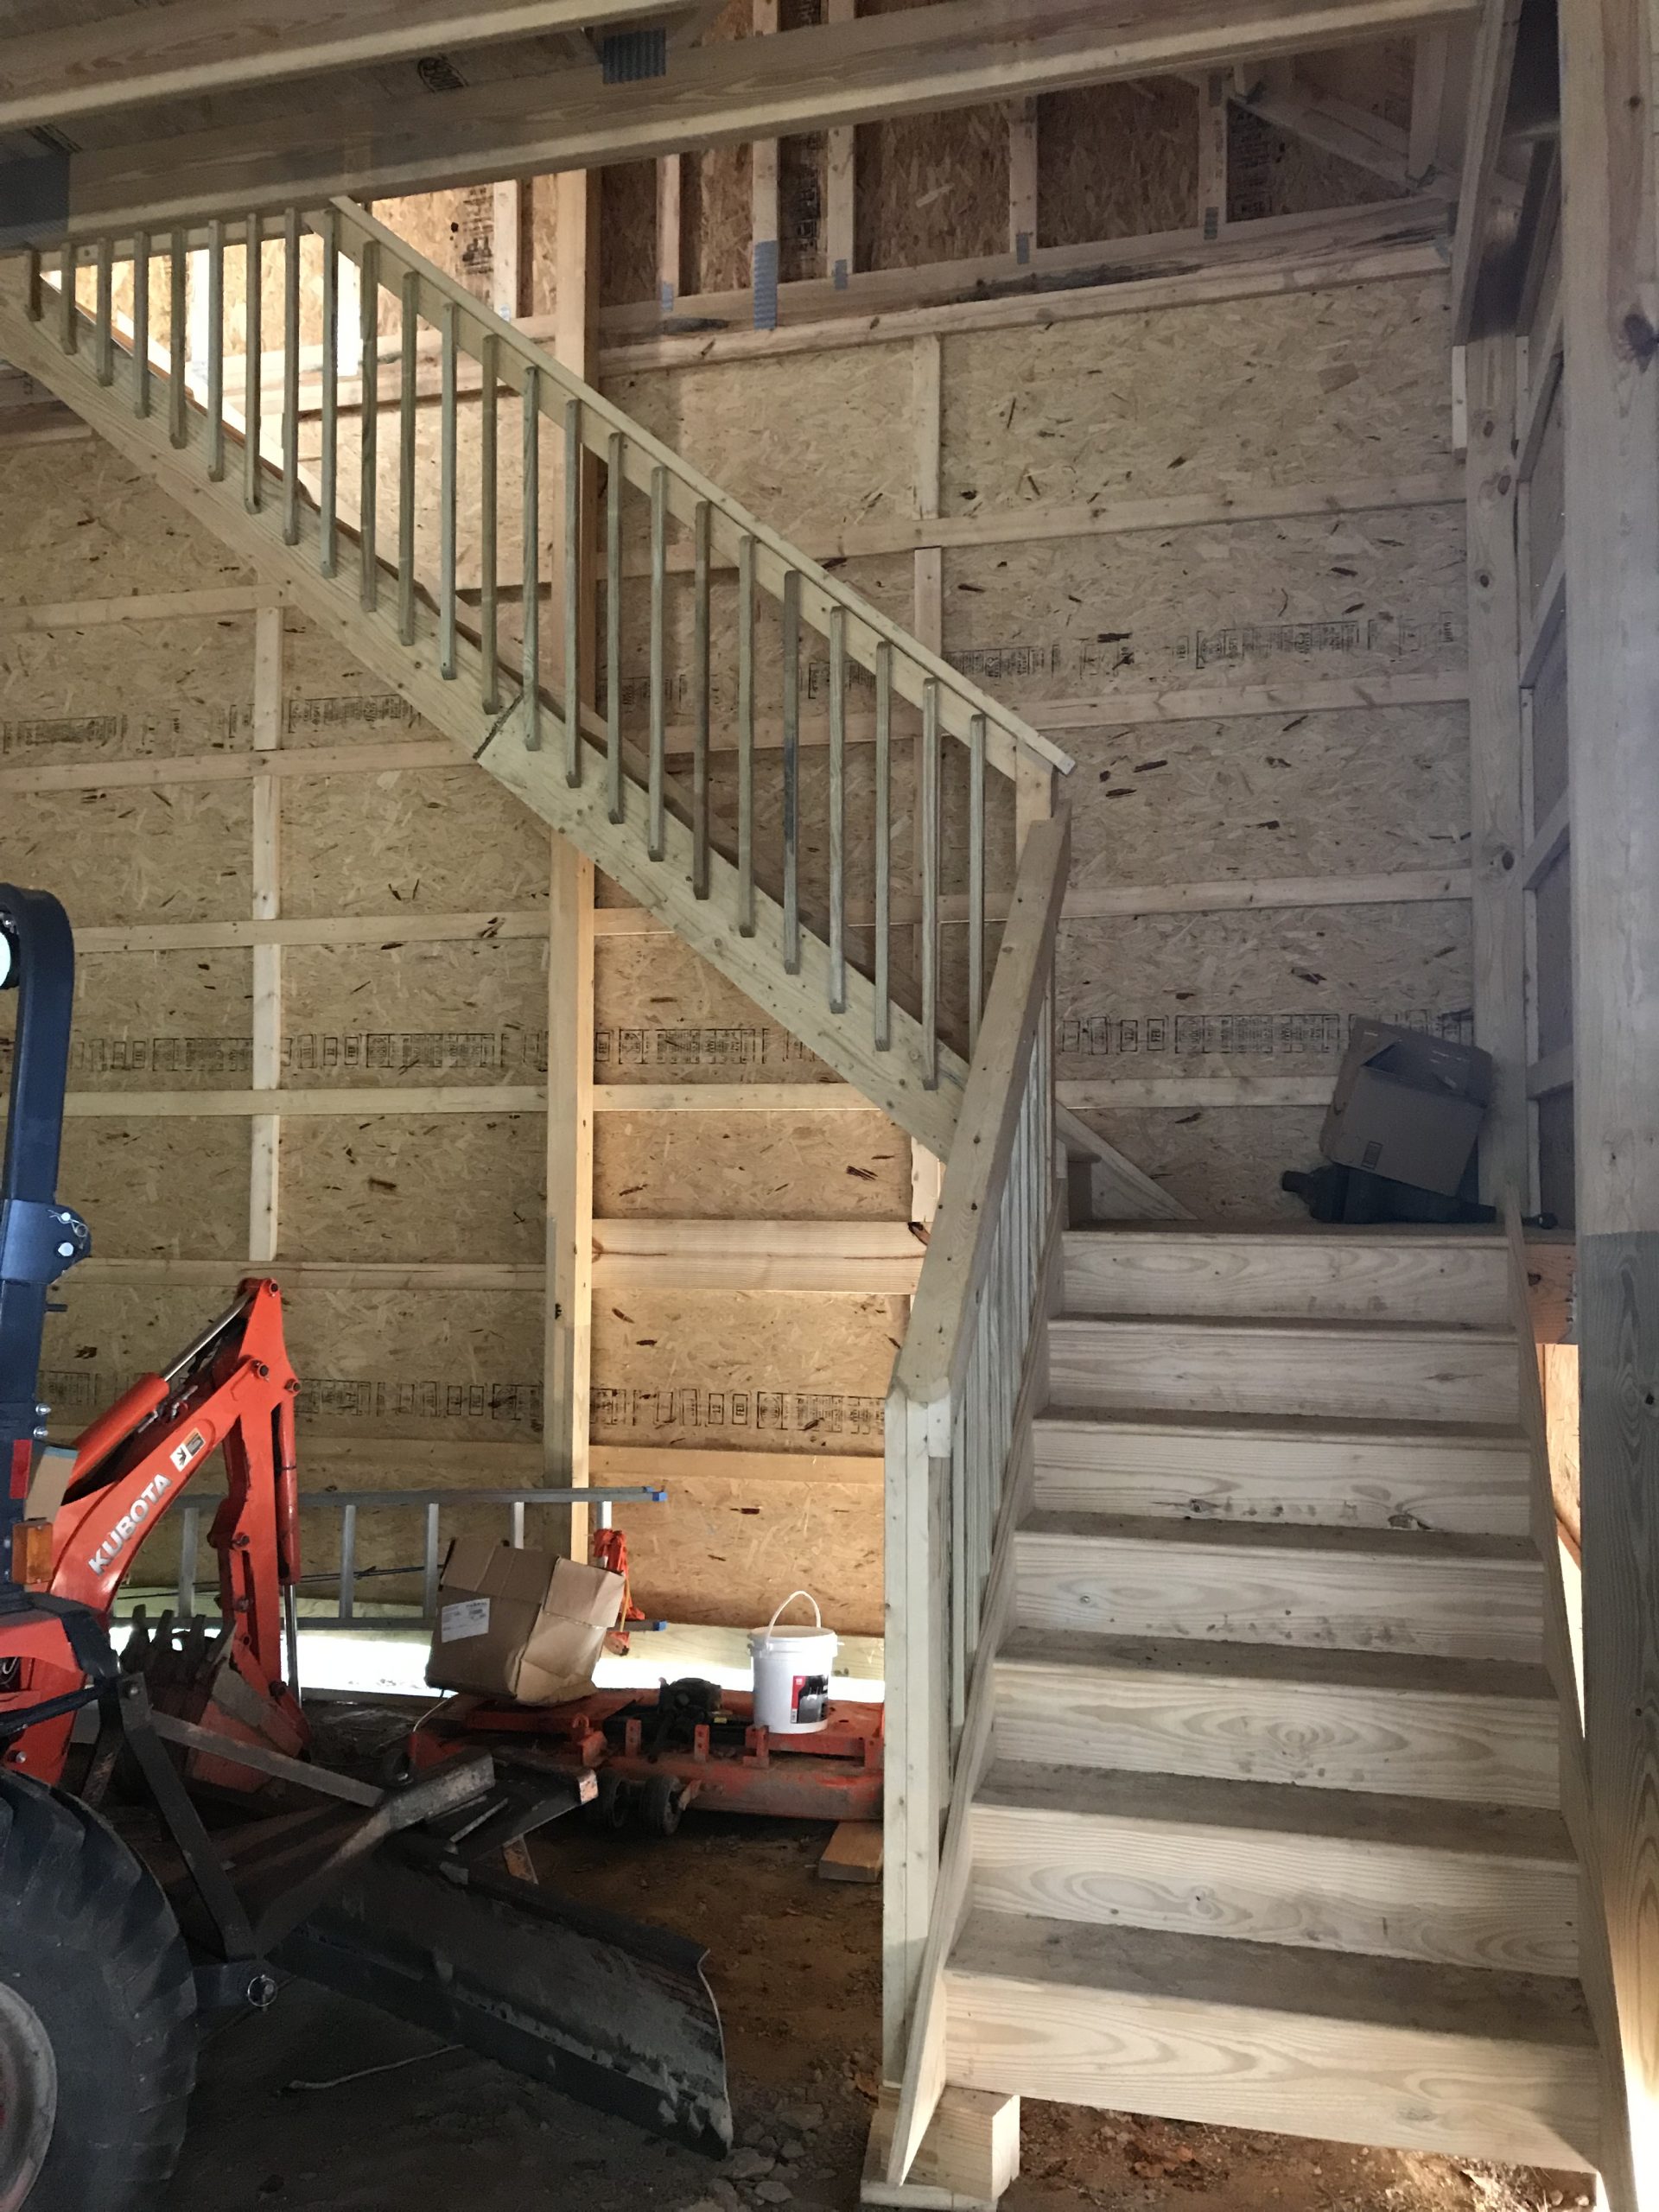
(773, 1166)
(121, 691)
(663, 1015)
(1296, 794)
(743, 1371)
(417, 1188)
(719, 1539)
(173, 1188)
(1116, 160)
(1223, 1163)
(174, 852)
(95, 528)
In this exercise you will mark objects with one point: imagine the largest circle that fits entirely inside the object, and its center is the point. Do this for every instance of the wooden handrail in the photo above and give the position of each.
(866, 627)
(936, 1344)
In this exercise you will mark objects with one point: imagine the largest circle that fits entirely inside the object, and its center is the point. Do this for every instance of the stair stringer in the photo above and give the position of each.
(893, 1080)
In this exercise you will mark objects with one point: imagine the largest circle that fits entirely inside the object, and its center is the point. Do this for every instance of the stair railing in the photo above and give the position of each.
(958, 1433)
(687, 668)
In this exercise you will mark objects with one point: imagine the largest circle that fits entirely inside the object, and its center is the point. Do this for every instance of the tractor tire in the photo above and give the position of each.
(98, 2002)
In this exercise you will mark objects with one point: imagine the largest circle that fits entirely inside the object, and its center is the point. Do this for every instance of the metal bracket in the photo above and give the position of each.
(39, 1243)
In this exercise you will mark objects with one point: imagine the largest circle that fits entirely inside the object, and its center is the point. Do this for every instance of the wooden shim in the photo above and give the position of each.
(853, 1852)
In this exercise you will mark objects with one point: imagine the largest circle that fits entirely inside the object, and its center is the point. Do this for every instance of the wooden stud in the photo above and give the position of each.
(264, 1237)
(763, 172)
(840, 180)
(1495, 760)
(506, 250)
(1610, 270)
(489, 527)
(700, 700)
(407, 457)
(669, 219)
(369, 478)
(1022, 181)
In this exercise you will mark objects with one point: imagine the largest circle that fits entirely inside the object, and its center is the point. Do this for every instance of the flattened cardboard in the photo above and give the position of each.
(521, 1625)
(1407, 1106)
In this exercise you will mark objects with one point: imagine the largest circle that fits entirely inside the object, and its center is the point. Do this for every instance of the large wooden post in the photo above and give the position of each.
(570, 964)
(1611, 263)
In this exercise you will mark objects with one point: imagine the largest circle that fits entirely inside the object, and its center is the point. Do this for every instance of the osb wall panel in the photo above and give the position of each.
(812, 444)
(1116, 160)
(1306, 387)
(414, 1187)
(627, 220)
(1349, 596)
(743, 1371)
(717, 206)
(456, 1366)
(81, 523)
(1266, 992)
(805, 1167)
(178, 853)
(120, 691)
(727, 1551)
(471, 1012)
(455, 229)
(931, 187)
(662, 1015)
(1272, 172)
(111, 1333)
(175, 1187)
(163, 1021)
(1270, 795)
(437, 842)
(1223, 1163)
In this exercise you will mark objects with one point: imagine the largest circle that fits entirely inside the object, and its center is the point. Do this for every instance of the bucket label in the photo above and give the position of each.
(808, 1696)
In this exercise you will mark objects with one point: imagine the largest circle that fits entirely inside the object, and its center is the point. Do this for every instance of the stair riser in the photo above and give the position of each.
(1311, 1278)
(1464, 1748)
(1451, 1609)
(1474, 1491)
(1465, 2096)
(1329, 1892)
(1159, 1367)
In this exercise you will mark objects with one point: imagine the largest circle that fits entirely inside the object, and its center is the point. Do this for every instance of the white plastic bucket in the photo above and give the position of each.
(792, 1667)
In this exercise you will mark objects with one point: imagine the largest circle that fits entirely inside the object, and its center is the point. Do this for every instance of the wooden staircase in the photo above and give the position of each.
(1266, 1832)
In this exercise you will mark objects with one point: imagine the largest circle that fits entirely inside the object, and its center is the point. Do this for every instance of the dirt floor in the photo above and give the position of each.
(794, 1963)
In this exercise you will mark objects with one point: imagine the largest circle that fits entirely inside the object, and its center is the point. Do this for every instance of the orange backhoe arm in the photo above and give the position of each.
(233, 1391)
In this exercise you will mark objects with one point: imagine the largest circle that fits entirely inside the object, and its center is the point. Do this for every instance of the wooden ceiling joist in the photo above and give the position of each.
(203, 48)
(957, 53)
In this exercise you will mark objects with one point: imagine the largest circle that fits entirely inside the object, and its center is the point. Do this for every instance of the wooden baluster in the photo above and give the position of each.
(837, 810)
(140, 322)
(253, 366)
(530, 583)
(488, 525)
(328, 462)
(930, 833)
(448, 493)
(701, 525)
(883, 847)
(409, 392)
(976, 878)
(369, 457)
(68, 322)
(34, 295)
(216, 351)
(104, 314)
(792, 771)
(746, 736)
(177, 342)
(573, 616)
(615, 485)
(291, 378)
(656, 840)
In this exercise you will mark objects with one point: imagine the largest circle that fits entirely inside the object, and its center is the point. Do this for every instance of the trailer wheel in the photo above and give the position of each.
(97, 2042)
(607, 1809)
(661, 1803)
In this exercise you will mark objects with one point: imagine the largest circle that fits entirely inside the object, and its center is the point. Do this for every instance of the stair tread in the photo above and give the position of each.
(1412, 1235)
(1313, 1540)
(1085, 1651)
(1260, 1325)
(1518, 1832)
(1341, 1988)
(1292, 1429)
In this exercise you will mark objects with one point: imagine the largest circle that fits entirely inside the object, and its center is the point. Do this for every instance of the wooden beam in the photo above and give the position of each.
(1430, 62)
(1488, 93)
(669, 221)
(865, 1258)
(1497, 827)
(197, 48)
(840, 181)
(1611, 275)
(569, 1319)
(387, 1098)
(1110, 1094)
(265, 1065)
(919, 60)
(508, 271)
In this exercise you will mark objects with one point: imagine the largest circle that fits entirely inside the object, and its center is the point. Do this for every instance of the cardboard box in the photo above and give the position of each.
(521, 1625)
(1407, 1106)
